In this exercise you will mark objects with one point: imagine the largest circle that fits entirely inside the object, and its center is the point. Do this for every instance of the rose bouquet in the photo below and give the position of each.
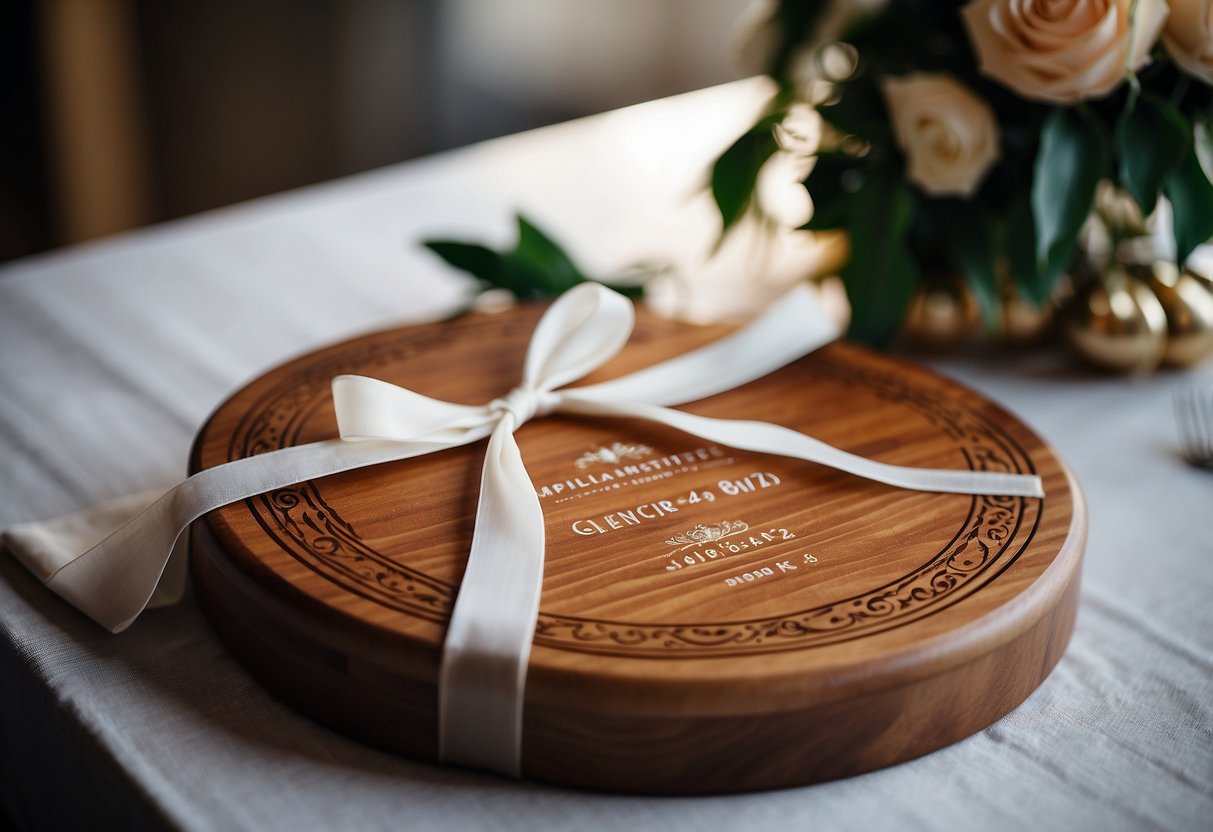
(981, 141)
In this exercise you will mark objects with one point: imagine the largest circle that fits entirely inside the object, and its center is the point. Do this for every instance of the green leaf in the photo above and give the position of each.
(479, 261)
(881, 275)
(1151, 139)
(827, 184)
(1191, 197)
(1019, 247)
(1202, 137)
(1073, 156)
(964, 235)
(493, 270)
(524, 280)
(736, 171)
(537, 253)
(537, 267)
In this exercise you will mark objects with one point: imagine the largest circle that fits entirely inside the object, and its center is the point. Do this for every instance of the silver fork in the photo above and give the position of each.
(1194, 415)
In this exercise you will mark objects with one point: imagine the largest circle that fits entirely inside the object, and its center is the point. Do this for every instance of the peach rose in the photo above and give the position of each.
(1062, 51)
(1189, 36)
(948, 134)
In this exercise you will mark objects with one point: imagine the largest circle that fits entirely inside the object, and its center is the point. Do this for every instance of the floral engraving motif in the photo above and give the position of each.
(314, 533)
(613, 455)
(701, 533)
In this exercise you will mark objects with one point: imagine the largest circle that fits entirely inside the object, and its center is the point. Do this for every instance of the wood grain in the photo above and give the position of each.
(823, 626)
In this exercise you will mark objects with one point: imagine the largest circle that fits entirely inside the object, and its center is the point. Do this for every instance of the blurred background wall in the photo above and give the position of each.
(118, 113)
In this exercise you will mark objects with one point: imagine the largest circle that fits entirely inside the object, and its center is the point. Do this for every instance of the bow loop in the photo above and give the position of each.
(582, 330)
(794, 327)
(368, 408)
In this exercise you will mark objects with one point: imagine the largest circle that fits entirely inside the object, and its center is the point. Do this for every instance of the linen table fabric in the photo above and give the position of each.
(111, 356)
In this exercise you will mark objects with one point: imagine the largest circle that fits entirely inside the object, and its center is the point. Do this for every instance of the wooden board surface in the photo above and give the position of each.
(711, 620)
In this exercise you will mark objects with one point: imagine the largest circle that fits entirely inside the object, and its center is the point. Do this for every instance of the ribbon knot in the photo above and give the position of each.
(525, 403)
(488, 640)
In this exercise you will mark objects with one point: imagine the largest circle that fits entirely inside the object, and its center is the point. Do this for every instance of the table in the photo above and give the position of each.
(112, 354)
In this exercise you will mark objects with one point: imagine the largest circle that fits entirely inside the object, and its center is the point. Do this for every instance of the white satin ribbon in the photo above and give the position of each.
(488, 641)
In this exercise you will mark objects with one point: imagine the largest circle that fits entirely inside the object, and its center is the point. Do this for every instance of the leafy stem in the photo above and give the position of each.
(536, 267)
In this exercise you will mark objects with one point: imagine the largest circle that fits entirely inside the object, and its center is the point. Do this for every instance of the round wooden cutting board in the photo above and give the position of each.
(711, 620)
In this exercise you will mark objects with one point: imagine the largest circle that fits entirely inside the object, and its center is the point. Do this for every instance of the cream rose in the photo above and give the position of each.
(1062, 51)
(1189, 36)
(948, 134)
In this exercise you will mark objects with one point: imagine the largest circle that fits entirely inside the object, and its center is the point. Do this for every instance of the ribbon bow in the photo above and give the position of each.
(488, 641)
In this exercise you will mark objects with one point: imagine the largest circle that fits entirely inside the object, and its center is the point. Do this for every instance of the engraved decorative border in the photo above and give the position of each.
(309, 529)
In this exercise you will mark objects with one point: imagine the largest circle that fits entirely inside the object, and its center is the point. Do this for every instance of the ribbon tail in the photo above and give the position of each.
(767, 438)
(488, 641)
(140, 562)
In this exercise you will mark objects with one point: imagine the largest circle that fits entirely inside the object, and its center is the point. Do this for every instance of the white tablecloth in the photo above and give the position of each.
(112, 354)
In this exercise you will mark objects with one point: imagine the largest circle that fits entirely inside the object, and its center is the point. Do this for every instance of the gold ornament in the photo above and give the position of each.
(1202, 279)
(1118, 323)
(1021, 322)
(1187, 300)
(940, 318)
